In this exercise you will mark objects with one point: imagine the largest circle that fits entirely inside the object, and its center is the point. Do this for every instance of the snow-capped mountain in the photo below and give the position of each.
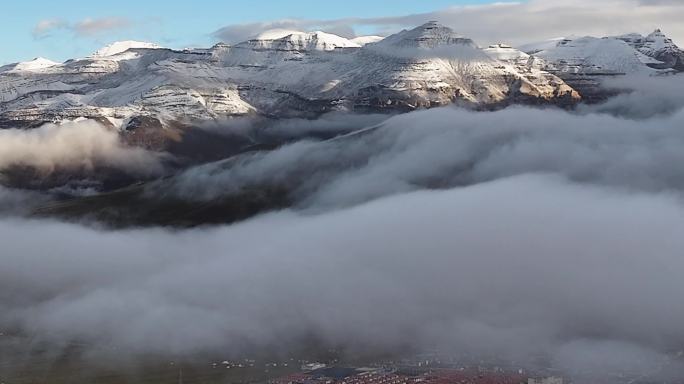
(609, 56)
(35, 65)
(659, 47)
(583, 62)
(284, 40)
(284, 73)
(279, 74)
(428, 36)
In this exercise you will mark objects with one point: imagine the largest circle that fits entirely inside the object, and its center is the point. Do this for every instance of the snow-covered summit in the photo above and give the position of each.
(658, 41)
(585, 62)
(658, 46)
(274, 34)
(505, 52)
(285, 73)
(629, 53)
(592, 55)
(430, 35)
(285, 40)
(123, 46)
(37, 64)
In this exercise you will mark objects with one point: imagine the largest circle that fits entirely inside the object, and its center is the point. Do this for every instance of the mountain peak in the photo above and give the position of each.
(660, 41)
(287, 40)
(275, 34)
(432, 24)
(122, 46)
(505, 52)
(657, 34)
(37, 63)
(42, 60)
(427, 36)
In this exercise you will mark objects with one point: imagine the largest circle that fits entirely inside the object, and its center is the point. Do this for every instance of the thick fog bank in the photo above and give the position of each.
(519, 233)
(516, 268)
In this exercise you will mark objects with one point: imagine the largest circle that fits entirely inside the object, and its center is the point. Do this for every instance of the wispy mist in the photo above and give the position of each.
(642, 97)
(81, 145)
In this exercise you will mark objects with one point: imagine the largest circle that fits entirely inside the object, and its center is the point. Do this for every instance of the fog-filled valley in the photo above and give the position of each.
(300, 203)
(524, 233)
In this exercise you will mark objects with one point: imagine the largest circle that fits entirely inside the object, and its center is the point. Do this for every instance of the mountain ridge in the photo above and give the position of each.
(305, 74)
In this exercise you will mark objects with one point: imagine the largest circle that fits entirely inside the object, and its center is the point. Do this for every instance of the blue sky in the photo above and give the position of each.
(69, 28)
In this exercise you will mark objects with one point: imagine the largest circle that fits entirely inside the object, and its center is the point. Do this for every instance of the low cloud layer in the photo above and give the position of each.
(17, 203)
(641, 97)
(515, 268)
(520, 234)
(636, 146)
(327, 125)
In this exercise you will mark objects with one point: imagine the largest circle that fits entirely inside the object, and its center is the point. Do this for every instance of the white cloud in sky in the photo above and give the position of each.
(88, 27)
(47, 26)
(513, 22)
(83, 28)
